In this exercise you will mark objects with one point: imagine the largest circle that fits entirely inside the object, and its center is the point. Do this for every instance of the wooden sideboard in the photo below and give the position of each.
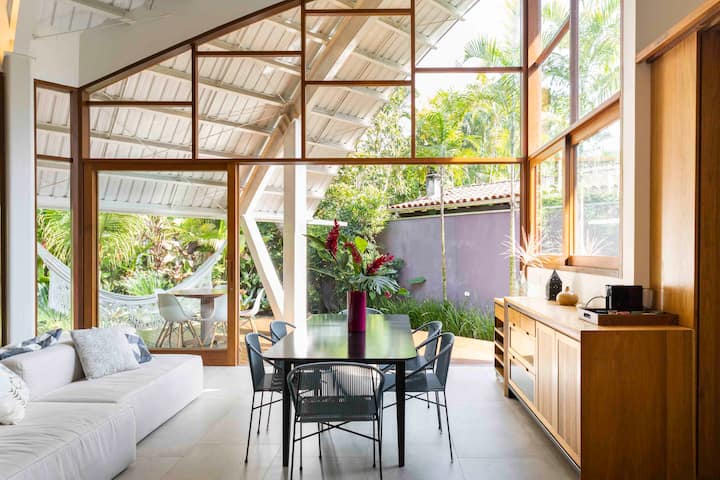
(612, 398)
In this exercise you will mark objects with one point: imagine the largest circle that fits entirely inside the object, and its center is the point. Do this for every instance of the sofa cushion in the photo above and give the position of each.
(31, 344)
(45, 370)
(138, 347)
(103, 351)
(68, 441)
(14, 397)
(156, 391)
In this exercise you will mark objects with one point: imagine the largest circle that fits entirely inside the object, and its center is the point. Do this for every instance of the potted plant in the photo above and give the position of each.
(357, 266)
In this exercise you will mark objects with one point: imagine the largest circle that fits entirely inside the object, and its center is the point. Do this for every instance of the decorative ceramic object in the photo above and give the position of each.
(567, 297)
(357, 312)
(553, 286)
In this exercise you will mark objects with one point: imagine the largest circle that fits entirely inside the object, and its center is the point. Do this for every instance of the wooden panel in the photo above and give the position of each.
(708, 332)
(499, 312)
(527, 324)
(513, 317)
(673, 192)
(636, 404)
(546, 375)
(568, 394)
(523, 346)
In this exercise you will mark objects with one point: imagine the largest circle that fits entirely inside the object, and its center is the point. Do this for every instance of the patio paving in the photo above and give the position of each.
(494, 438)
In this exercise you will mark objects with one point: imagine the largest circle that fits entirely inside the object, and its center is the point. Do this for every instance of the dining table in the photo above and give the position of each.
(387, 340)
(207, 298)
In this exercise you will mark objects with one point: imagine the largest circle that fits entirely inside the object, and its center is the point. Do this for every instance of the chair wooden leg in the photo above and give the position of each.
(252, 324)
(193, 333)
(161, 335)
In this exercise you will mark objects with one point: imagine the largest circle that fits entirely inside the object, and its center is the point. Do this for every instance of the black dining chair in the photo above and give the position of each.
(343, 392)
(278, 329)
(422, 381)
(262, 381)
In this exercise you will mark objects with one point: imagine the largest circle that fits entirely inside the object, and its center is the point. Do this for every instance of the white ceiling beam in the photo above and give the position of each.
(103, 9)
(291, 26)
(287, 67)
(383, 62)
(329, 145)
(342, 117)
(137, 142)
(450, 9)
(219, 85)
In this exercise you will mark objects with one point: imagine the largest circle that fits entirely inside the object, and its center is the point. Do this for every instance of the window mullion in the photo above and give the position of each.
(569, 200)
(574, 61)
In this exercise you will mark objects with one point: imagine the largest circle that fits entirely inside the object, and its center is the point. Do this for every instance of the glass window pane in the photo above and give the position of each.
(599, 52)
(555, 102)
(167, 81)
(358, 121)
(549, 205)
(383, 54)
(278, 32)
(467, 115)
(490, 36)
(597, 194)
(148, 132)
(553, 14)
(54, 237)
(162, 232)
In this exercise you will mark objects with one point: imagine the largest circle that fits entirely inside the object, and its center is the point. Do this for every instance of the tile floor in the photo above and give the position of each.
(494, 438)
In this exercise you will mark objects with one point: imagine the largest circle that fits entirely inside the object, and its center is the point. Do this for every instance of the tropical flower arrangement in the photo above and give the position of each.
(355, 264)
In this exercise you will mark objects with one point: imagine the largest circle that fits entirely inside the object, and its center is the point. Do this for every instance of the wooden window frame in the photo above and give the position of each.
(566, 141)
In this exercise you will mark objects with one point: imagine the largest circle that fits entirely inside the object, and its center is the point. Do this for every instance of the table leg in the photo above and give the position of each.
(286, 366)
(207, 310)
(400, 410)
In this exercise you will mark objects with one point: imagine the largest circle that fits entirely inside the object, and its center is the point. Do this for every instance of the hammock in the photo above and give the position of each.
(115, 308)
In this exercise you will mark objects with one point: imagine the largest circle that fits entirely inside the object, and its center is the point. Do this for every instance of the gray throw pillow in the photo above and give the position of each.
(103, 351)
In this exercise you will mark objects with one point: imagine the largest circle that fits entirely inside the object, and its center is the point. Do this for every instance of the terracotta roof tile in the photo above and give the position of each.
(457, 196)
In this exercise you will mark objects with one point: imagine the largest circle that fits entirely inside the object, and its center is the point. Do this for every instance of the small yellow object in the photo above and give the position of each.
(567, 297)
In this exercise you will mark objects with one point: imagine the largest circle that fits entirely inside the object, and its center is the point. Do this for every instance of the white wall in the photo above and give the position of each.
(105, 50)
(654, 17)
(19, 209)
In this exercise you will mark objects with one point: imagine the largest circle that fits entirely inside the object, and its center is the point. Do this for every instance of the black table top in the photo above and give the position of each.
(387, 339)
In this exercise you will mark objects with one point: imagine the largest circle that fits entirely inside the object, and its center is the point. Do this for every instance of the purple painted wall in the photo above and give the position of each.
(475, 255)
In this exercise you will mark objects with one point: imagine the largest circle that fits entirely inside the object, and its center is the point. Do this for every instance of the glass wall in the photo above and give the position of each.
(162, 256)
(53, 217)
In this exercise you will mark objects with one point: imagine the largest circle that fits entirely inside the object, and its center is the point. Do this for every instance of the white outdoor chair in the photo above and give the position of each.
(175, 319)
(246, 316)
(218, 318)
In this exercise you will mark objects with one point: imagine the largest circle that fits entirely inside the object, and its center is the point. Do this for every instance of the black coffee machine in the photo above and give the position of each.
(626, 298)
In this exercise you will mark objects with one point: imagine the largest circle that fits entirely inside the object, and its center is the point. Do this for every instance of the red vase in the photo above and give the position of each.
(357, 313)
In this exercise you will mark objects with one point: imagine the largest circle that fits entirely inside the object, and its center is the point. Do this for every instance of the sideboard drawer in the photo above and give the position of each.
(527, 324)
(523, 345)
(513, 317)
(523, 379)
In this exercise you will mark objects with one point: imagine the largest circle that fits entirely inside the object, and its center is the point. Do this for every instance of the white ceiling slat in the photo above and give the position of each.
(105, 9)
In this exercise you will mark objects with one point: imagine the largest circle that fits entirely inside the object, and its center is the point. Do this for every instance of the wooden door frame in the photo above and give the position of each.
(89, 265)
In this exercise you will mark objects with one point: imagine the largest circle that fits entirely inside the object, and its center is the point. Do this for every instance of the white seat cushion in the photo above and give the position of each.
(46, 370)
(68, 441)
(156, 391)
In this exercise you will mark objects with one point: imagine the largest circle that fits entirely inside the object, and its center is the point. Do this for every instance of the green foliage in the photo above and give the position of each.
(462, 320)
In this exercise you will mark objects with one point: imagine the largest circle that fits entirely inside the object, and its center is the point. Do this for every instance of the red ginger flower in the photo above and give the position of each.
(356, 257)
(331, 243)
(378, 263)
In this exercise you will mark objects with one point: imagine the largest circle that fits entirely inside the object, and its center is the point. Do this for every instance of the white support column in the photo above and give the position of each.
(294, 230)
(264, 265)
(19, 197)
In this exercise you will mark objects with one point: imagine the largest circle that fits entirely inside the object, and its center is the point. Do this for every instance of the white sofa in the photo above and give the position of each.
(87, 429)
